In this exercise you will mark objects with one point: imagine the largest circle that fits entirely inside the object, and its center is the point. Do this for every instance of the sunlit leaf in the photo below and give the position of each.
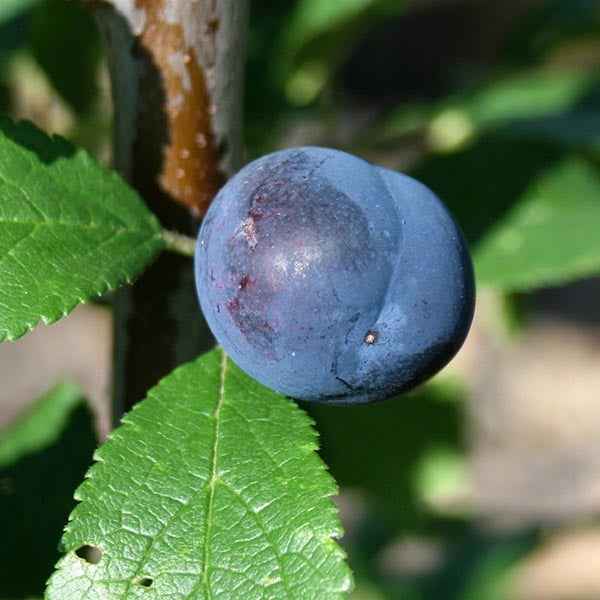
(211, 488)
(69, 229)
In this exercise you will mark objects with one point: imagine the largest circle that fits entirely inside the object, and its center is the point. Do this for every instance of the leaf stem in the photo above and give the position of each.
(178, 243)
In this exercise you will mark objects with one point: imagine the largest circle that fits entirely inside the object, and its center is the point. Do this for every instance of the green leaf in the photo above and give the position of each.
(545, 25)
(44, 455)
(318, 37)
(395, 439)
(41, 426)
(530, 212)
(526, 94)
(520, 98)
(478, 564)
(494, 573)
(578, 128)
(313, 18)
(9, 9)
(211, 488)
(69, 229)
(482, 183)
(551, 236)
(65, 42)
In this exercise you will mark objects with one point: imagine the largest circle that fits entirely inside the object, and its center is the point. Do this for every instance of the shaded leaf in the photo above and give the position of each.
(65, 42)
(264, 101)
(579, 128)
(529, 213)
(480, 564)
(41, 426)
(69, 229)
(9, 9)
(527, 94)
(319, 35)
(43, 457)
(519, 97)
(551, 236)
(547, 24)
(211, 488)
(481, 183)
(378, 449)
(313, 18)
(13, 35)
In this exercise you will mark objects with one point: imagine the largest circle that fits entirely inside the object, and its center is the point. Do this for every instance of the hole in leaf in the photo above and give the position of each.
(89, 554)
(145, 582)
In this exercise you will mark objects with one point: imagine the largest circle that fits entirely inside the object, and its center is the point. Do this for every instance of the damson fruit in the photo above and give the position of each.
(330, 279)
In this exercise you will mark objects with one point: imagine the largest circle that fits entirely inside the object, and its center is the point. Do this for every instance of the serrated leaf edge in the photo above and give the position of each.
(153, 225)
(69, 306)
(328, 537)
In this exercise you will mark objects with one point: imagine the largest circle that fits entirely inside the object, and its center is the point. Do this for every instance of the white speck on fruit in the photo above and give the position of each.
(370, 338)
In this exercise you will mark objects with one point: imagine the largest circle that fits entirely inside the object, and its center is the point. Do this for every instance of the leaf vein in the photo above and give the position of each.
(213, 477)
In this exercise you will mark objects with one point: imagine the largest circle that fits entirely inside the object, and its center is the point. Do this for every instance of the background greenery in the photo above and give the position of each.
(494, 105)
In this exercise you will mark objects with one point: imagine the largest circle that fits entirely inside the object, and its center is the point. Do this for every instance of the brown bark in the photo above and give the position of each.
(176, 70)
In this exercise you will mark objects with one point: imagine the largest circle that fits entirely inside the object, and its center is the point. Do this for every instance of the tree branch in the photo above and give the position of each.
(176, 70)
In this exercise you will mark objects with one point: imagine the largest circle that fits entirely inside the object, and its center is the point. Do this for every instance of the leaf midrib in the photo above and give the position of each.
(213, 475)
(210, 482)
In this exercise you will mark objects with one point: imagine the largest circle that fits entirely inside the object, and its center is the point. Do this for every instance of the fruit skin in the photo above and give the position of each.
(333, 280)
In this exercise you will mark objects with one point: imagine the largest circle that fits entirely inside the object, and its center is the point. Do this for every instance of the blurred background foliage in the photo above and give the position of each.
(483, 485)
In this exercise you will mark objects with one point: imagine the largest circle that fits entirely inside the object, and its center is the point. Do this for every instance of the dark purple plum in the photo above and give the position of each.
(330, 279)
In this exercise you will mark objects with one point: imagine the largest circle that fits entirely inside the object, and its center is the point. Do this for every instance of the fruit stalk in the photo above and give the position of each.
(176, 71)
(180, 244)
